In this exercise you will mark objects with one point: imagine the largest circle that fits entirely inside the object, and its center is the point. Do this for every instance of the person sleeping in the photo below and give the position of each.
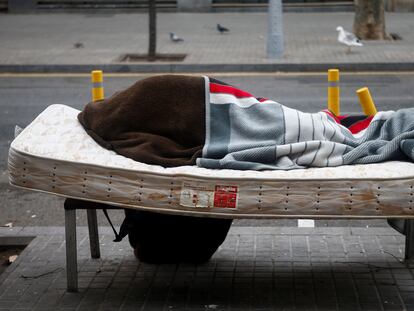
(175, 120)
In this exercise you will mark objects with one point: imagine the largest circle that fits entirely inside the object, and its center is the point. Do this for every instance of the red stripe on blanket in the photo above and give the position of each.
(361, 125)
(354, 128)
(227, 89)
(336, 118)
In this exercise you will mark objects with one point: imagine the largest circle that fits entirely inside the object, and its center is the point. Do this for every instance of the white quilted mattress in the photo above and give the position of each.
(54, 154)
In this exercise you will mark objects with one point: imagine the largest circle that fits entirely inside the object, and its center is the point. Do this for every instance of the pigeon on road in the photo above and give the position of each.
(222, 29)
(347, 38)
(78, 45)
(175, 38)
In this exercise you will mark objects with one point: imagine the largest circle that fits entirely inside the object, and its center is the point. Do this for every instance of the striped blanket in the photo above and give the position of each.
(248, 133)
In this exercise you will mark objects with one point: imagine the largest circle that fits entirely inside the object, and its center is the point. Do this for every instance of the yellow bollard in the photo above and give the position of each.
(365, 99)
(97, 85)
(333, 91)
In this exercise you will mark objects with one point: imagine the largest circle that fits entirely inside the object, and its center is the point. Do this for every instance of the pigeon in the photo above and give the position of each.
(395, 36)
(175, 38)
(222, 29)
(78, 45)
(347, 38)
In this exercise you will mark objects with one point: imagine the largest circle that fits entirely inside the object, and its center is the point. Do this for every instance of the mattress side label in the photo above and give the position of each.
(205, 195)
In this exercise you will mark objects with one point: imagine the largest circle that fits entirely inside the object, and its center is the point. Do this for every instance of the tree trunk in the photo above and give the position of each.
(369, 22)
(152, 45)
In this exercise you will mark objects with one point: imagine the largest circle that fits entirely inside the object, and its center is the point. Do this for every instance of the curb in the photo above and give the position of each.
(193, 68)
(26, 234)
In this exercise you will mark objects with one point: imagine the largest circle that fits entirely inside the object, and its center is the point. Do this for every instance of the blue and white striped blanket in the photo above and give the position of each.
(248, 133)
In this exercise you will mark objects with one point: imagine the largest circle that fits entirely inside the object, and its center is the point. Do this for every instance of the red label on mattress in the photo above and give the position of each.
(225, 196)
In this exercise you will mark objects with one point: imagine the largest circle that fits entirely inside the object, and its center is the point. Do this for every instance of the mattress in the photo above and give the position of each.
(53, 154)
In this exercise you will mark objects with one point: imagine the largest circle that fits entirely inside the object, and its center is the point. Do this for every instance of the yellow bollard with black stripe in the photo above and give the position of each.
(333, 91)
(365, 99)
(97, 85)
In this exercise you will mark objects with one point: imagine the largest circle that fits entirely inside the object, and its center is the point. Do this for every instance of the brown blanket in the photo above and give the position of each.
(158, 120)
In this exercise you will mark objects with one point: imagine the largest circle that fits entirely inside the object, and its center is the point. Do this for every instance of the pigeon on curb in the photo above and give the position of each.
(175, 38)
(347, 38)
(222, 29)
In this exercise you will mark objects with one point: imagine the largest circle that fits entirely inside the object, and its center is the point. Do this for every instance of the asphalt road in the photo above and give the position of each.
(22, 98)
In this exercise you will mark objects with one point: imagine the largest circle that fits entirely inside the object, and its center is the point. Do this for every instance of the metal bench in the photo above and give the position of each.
(404, 226)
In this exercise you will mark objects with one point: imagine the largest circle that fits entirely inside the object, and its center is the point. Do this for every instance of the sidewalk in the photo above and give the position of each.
(45, 43)
(255, 269)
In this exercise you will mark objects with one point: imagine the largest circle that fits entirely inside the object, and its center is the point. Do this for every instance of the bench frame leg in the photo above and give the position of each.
(409, 239)
(71, 250)
(70, 232)
(93, 233)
